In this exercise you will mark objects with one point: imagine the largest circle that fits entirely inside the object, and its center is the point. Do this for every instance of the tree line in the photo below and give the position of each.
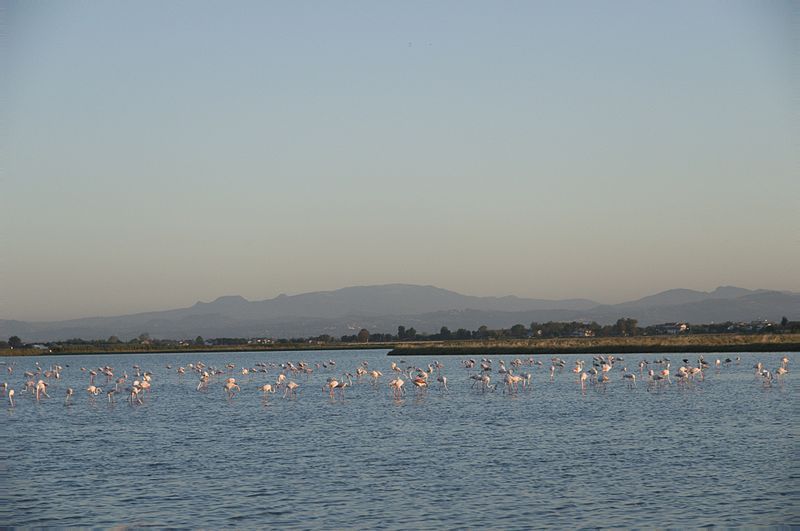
(625, 327)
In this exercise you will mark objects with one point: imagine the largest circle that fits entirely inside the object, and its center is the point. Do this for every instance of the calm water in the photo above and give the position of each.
(720, 452)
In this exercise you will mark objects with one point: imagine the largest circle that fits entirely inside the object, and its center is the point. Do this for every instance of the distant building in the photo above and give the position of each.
(671, 328)
(260, 341)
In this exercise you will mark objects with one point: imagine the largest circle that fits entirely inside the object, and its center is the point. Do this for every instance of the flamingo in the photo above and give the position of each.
(342, 385)
(655, 379)
(41, 389)
(291, 389)
(485, 382)
(397, 387)
(231, 387)
(694, 371)
(267, 389)
(630, 378)
(420, 383)
(331, 384)
(502, 369)
(442, 382)
(11, 397)
(512, 382)
(665, 373)
(70, 392)
(134, 391)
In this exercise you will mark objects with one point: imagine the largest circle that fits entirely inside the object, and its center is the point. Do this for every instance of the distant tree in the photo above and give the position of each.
(626, 327)
(784, 322)
(113, 340)
(519, 330)
(144, 337)
(445, 333)
(363, 335)
(199, 340)
(411, 333)
(482, 332)
(497, 334)
(14, 342)
(401, 332)
(463, 333)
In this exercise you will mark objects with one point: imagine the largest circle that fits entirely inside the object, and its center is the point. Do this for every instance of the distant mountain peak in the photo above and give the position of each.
(731, 292)
(225, 299)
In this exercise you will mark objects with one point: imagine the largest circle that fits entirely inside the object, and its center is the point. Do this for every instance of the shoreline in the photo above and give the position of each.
(203, 350)
(606, 345)
(622, 345)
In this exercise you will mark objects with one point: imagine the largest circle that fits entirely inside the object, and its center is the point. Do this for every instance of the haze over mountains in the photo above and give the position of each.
(427, 308)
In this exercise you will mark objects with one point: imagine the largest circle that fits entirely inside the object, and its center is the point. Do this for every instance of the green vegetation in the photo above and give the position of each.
(623, 336)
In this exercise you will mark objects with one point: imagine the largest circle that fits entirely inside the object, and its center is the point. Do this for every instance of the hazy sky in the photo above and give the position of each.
(157, 153)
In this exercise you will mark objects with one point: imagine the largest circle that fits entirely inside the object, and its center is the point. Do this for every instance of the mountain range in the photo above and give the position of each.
(427, 308)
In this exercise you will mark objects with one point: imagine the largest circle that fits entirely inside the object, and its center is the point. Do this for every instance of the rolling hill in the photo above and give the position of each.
(427, 308)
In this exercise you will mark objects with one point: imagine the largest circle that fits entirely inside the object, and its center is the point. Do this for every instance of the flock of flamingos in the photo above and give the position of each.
(482, 376)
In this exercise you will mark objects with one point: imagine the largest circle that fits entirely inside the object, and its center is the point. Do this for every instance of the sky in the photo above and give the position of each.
(159, 153)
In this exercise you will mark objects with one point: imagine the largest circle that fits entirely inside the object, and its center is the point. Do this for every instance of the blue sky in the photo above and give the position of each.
(157, 153)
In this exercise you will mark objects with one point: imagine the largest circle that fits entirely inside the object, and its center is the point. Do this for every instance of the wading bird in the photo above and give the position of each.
(291, 389)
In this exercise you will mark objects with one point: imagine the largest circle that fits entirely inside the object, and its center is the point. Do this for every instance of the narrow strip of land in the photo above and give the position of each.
(602, 345)
(606, 345)
(138, 349)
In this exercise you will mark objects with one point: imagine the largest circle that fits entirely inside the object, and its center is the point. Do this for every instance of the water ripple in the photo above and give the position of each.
(718, 453)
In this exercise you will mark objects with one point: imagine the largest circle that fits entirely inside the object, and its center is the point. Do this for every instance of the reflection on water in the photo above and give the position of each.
(722, 451)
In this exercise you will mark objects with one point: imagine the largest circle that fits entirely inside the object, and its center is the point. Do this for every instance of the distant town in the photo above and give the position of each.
(623, 328)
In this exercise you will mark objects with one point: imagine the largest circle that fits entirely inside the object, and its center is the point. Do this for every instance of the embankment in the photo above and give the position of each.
(606, 345)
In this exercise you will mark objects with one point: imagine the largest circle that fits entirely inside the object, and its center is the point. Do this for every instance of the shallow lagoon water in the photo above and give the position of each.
(719, 452)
